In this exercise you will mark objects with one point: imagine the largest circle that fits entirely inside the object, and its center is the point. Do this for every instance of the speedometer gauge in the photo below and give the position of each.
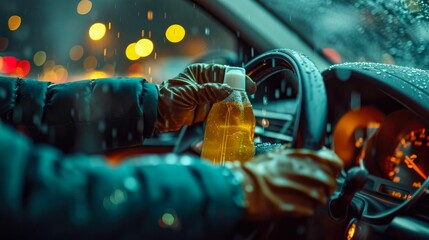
(409, 162)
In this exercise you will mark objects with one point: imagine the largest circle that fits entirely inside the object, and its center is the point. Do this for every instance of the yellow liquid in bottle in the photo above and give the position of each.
(229, 133)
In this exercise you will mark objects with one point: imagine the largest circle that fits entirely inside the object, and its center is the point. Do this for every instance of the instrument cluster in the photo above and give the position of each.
(394, 147)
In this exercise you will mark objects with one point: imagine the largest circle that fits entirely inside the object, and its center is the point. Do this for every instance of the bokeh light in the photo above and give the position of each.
(97, 75)
(175, 33)
(130, 52)
(23, 68)
(149, 15)
(144, 47)
(14, 22)
(97, 31)
(9, 65)
(332, 54)
(136, 70)
(49, 65)
(195, 46)
(55, 73)
(76, 52)
(84, 7)
(39, 58)
(90, 63)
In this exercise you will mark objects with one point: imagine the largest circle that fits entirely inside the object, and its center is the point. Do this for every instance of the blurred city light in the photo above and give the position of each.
(76, 52)
(332, 54)
(149, 15)
(71, 40)
(53, 73)
(14, 22)
(84, 7)
(8, 65)
(22, 68)
(39, 58)
(136, 70)
(175, 33)
(97, 74)
(97, 31)
(144, 47)
(130, 52)
(90, 63)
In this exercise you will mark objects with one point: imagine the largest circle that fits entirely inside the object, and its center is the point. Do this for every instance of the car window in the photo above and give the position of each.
(63, 41)
(394, 32)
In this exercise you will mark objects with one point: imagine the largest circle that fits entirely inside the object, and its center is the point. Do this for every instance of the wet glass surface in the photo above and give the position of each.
(393, 32)
(63, 41)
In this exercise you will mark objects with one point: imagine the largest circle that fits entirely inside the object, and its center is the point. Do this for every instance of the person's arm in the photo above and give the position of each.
(85, 116)
(47, 195)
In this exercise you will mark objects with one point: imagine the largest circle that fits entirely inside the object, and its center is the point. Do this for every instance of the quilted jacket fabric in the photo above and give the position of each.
(47, 194)
(83, 116)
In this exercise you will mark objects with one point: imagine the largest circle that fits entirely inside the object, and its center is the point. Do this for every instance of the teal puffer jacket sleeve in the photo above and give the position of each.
(84, 116)
(47, 195)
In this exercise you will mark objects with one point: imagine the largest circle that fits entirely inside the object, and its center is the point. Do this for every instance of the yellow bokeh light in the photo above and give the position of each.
(97, 31)
(14, 22)
(175, 33)
(144, 47)
(39, 58)
(98, 74)
(84, 7)
(76, 52)
(130, 52)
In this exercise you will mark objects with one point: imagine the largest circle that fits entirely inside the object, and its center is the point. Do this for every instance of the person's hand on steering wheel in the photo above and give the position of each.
(281, 183)
(187, 98)
(288, 182)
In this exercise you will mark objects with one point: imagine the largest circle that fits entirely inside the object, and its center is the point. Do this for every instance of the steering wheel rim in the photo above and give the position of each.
(310, 121)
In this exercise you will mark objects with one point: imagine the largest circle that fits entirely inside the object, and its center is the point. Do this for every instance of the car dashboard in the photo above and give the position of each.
(378, 120)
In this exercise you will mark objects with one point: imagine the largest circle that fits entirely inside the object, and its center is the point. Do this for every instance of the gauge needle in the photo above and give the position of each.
(410, 163)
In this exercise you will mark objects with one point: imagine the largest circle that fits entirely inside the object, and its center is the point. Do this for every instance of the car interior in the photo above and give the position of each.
(369, 105)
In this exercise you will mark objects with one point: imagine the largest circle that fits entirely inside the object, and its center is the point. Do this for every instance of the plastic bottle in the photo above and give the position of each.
(230, 125)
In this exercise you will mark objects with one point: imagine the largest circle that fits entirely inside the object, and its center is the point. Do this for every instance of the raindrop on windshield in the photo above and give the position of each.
(265, 100)
(207, 31)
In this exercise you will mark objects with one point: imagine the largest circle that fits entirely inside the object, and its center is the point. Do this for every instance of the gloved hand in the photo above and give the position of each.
(288, 182)
(187, 98)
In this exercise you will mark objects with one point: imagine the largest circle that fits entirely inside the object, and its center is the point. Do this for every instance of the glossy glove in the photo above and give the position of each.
(288, 182)
(187, 98)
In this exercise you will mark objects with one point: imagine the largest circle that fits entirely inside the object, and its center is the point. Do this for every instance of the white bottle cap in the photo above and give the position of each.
(235, 77)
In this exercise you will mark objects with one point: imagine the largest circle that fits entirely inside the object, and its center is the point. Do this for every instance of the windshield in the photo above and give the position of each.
(61, 41)
(393, 32)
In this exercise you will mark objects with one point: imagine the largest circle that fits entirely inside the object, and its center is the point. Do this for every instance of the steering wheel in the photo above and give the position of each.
(311, 101)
